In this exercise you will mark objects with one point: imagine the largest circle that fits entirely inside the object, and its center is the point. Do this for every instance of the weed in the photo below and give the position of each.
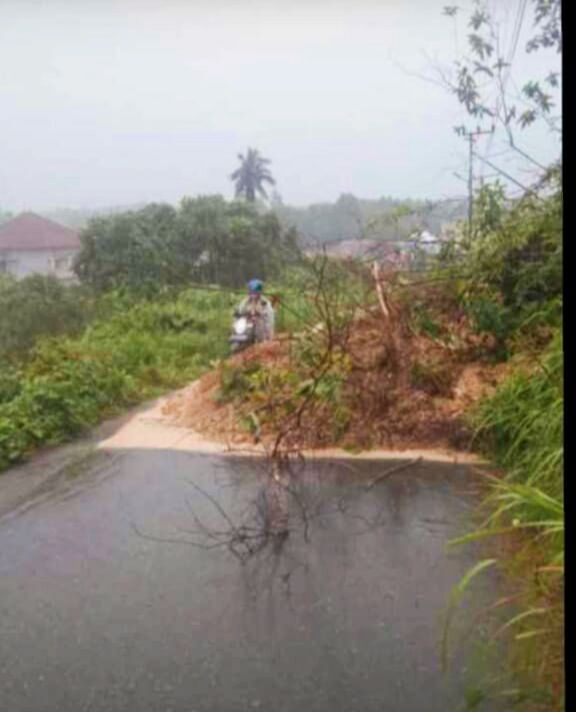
(68, 384)
(433, 377)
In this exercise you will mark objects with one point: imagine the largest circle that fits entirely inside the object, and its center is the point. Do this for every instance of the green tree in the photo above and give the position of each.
(205, 239)
(37, 306)
(481, 77)
(250, 176)
(132, 249)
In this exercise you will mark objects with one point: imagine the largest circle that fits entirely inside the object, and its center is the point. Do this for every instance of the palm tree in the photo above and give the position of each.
(251, 175)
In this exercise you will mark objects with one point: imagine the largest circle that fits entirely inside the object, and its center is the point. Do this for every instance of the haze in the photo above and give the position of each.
(110, 103)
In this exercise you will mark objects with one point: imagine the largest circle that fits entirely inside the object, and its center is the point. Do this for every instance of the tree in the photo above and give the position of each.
(38, 305)
(206, 239)
(482, 80)
(251, 175)
(133, 249)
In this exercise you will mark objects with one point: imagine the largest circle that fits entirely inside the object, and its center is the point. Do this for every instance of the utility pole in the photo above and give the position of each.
(471, 135)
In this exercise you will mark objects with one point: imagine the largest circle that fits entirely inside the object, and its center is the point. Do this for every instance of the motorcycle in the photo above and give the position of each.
(243, 333)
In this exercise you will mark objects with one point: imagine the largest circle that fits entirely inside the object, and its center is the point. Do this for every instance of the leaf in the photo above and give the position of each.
(479, 46)
(478, 19)
(526, 118)
(482, 68)
(450, 10)
(501, 64)
(519, 618)
(531, 634)
(457, 592)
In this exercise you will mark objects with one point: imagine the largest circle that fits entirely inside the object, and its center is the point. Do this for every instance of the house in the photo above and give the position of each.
(386, 252)
(429, 243)
(31, 244)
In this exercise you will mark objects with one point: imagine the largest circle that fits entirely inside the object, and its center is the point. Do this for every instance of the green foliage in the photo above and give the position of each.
(236, 382)
(510, 269)
(521, 425)
(130, 249)
(38, 306)
(489, 316)
(10, 383)
(350, 218)
(206, 239)
(250, 177)
(310, 386)
(424, 322)
(432, 376)
(480, 75)
(68, 384)
(303, 291)
(521, 428)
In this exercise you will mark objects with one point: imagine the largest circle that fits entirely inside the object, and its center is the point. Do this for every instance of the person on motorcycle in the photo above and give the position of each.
(256, 306)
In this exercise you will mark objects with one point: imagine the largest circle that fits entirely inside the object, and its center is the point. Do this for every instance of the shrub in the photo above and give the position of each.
(67, 384)
(37, 306)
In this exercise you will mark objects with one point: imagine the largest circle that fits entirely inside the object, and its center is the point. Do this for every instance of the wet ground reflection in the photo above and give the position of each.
(189, 582)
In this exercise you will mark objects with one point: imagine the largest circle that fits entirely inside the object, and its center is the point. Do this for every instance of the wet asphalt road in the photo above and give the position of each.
(104, 607)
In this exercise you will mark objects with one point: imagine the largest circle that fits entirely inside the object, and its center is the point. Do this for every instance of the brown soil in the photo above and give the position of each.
(389, 407)
(196, 407)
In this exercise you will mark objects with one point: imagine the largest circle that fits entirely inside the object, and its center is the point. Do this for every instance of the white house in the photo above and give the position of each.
(429, 243)
(31, 244)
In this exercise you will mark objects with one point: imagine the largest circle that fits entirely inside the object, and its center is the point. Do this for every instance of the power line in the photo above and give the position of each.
(470, 136)
(516, 37)
(507, 71)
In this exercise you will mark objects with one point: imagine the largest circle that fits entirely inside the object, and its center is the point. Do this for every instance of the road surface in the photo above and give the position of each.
(113, 598)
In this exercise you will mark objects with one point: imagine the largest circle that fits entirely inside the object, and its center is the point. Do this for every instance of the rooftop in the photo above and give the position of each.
(31, 232)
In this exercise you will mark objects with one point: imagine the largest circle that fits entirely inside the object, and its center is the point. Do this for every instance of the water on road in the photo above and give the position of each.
(119, 591)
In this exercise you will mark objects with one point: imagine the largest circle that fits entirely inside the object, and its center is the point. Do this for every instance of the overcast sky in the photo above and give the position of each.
(107, 102)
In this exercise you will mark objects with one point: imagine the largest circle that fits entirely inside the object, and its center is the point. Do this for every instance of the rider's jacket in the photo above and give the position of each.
(260, 308)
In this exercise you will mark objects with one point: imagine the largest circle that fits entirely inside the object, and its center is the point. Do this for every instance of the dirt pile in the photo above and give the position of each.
(199, 408)
(402, 389)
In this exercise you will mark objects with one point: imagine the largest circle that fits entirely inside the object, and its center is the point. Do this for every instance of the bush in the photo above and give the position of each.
(37, 306)
(68, 384)
(510, 270)
(432, 376)
(206, 239)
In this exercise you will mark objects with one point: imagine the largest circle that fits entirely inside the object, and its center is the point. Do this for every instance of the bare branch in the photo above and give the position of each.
(392, 471)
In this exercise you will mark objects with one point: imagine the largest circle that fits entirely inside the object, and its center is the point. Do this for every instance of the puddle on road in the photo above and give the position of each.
(191, 582)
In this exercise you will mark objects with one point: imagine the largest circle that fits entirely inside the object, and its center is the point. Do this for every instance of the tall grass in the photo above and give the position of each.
(521, 429)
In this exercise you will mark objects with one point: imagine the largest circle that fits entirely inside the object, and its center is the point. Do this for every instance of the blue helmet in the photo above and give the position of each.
(255, 286)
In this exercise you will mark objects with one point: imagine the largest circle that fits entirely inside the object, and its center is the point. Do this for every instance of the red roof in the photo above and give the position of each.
(29, 231)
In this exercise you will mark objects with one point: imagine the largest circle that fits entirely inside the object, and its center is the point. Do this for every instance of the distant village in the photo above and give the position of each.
(32, 244)
(396, 254)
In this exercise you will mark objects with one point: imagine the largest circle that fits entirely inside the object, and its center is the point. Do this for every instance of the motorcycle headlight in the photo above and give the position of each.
(240, 325)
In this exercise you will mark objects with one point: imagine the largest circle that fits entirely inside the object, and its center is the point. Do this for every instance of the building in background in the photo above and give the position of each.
(429, 243)
(31, 244)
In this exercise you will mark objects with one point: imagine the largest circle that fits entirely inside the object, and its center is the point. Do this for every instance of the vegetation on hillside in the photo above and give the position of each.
(205, 239)
(511, 258)
(139, 350)
(368, 358)
(351, 218)
(38, 306)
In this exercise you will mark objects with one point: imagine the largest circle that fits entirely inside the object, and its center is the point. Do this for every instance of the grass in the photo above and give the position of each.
(521, 429)
(68, 384)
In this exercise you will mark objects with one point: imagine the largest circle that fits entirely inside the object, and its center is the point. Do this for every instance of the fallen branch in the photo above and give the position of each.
(380, 291)
(392, 471)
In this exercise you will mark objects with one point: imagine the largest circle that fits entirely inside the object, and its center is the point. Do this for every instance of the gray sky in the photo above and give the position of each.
(109, 102)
